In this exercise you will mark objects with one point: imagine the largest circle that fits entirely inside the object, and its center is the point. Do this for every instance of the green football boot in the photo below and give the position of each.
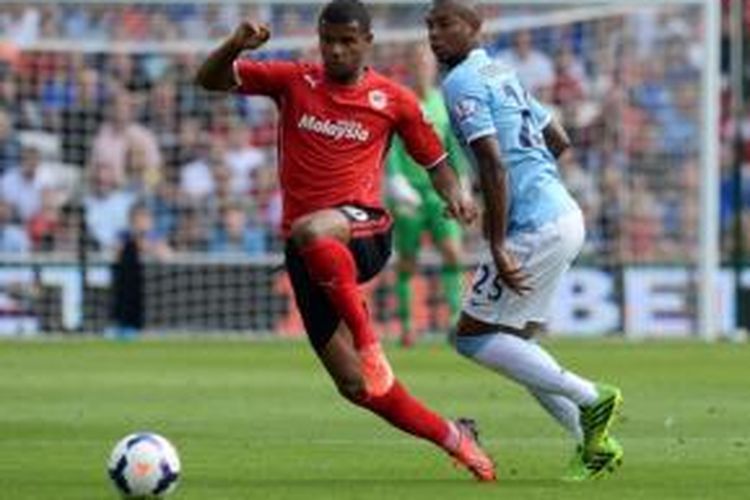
(607, 458)
(597, 418)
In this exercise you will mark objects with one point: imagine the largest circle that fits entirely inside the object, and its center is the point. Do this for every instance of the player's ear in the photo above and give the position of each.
(369, 37)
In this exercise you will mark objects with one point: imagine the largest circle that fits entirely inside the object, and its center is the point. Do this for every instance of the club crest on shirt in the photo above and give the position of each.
(465, 108)
(378, 99)
(311, 81)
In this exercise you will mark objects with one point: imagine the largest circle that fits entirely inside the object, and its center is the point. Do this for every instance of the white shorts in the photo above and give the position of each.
(545, 255)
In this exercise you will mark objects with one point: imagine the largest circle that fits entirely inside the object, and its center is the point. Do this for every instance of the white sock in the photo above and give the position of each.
(563, 410)
(528, 364)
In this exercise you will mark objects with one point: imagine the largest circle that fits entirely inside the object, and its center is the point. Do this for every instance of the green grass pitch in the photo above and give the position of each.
(261, 420)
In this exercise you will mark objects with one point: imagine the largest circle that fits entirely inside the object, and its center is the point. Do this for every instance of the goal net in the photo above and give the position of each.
(99, 105)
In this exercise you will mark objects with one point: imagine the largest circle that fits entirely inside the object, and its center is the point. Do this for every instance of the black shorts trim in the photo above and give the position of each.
(366, 221)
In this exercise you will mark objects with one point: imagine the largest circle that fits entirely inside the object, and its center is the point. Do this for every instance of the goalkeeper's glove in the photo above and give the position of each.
(402, 193)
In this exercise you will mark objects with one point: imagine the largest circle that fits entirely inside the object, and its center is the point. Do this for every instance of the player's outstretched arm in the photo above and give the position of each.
(447, 185)
(216, 72)
(556, 138)
(494, 184)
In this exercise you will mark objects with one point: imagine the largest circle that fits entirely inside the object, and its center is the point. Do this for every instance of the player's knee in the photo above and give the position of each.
(407, 265)
(304, 231)
(313, 227)
(452, 261)
(466, 346)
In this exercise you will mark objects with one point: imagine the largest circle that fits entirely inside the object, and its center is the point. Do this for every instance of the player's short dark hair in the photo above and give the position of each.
(468, 9)
(345, 12)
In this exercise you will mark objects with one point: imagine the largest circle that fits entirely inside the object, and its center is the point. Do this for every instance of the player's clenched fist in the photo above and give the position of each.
(463, 209)
(250, 35)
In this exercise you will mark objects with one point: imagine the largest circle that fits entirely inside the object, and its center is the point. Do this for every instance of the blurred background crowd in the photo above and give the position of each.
(123, 133)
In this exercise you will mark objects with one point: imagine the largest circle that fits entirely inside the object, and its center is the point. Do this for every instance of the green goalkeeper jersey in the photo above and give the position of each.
(399, 160)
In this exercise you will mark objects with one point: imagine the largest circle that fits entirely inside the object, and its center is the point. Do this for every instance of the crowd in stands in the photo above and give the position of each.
(119, 141)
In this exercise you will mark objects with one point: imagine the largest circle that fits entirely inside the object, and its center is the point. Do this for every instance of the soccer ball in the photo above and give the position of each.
(144, 465)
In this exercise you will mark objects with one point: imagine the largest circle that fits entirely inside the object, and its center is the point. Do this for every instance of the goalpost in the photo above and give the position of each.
(646, 127)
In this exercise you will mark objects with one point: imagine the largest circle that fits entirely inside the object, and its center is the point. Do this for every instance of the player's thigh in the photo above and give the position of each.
(407, 232)
(370, 245)
(322, 223)
(545, 257)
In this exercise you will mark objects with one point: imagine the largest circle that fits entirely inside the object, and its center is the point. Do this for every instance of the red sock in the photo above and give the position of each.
(331, 264)
(407, 413)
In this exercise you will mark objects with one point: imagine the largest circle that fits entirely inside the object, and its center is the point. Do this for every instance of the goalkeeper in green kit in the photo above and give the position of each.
(416, 206)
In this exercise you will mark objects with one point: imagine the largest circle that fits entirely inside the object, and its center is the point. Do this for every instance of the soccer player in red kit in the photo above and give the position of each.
(336, 121)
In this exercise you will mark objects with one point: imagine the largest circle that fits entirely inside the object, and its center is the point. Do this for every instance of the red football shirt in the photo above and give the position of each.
(333, 138)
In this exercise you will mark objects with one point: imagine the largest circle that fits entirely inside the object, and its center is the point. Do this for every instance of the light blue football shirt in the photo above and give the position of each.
(484, 98)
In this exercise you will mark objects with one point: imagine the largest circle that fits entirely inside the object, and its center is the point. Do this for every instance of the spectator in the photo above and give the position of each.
(241, 158)
(651, 93)
(534, 68)
(57, 90)
(621, 123)
(191, 233)
(223, 193)
(581, 185)
(44, 224)
(163, 115)
(266, 197)
(22, 186)
(164, 204)
(192, 141)
(119, 133)
(10, 102)
(291, 23)
(612, 216)
(106, 206)
(68, 236)
(680, 51)
(265, 132)
(80, 120)
(141, 232)
(728, 202)
(20, 24)
(196, 177)
(121, 67)
(10, 145)
(140, 179)
(13, 239)
(642, 224)
(679, 124)
(193, 101)
(235, 235)
(570, 84)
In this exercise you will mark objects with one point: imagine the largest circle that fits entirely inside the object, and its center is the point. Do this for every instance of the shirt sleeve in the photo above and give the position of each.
(467, 100)
(541, 114)
(269, 78)
(420, 138)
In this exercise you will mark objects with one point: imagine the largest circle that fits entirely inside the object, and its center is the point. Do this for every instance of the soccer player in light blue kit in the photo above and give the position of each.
(534, 230)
